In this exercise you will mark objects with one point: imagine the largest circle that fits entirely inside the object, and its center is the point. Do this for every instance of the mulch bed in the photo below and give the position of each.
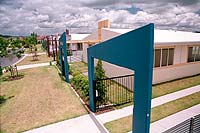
(104, 110)
(9, 78)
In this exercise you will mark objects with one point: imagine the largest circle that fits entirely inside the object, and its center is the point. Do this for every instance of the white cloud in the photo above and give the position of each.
(22, 17)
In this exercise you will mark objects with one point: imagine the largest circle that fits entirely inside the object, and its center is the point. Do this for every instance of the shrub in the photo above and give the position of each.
(100, 87)
(80, 82)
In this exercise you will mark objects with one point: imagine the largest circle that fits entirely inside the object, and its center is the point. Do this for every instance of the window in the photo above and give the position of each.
(194, 54)
(79, 46)
(171, 56)
(163, 57)
(68, 45)
(157, 57)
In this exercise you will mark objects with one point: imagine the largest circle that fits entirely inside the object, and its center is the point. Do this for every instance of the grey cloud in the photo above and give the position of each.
(50, 17)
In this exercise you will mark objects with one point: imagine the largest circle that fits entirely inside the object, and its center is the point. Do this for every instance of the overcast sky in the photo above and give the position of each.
(21, 17)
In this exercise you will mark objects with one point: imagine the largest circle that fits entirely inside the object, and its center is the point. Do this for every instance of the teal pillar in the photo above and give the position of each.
(92, 91)
(132, 50)
(61, 60)
(63, 47)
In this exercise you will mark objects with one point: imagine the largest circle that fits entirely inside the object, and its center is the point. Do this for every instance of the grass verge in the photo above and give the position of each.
(80, 66)
(37, 99)
(159, 89)
(157, 113)
(39, 49)
(175, 85)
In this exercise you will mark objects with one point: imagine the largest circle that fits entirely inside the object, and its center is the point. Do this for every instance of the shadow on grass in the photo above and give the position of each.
(62, 77)
(34, 60)
(3, 99)
(9, 78)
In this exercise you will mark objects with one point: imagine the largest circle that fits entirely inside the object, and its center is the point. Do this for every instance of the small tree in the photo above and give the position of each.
(33, 42)
(100, 87)
(11, 48)
(27, 43)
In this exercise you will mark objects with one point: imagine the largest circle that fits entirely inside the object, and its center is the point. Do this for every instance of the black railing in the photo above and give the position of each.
(191, 125)
(114, 91)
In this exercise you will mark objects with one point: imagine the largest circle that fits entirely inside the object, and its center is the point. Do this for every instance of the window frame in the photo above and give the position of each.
(195, 55)
(161, 56)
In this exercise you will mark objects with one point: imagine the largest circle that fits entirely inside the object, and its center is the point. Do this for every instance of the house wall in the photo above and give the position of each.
(85, 46)
(160, 75)
(179, 69)
(73, 46)
(176, 71)
(106, 35)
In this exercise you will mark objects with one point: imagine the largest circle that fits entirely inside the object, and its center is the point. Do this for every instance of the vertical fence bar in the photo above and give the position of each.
(94, 89)
(191, 125)
(122, 92)
(117, 90)
(127, 99)
(48, 51)
(56, 49)
(112, 90)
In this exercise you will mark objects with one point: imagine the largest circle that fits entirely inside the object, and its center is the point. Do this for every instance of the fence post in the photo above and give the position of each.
(191, 125)
(48, 50)
(94, 89)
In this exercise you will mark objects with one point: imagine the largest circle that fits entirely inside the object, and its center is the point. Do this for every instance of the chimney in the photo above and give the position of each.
(102, 24)
(67, 32)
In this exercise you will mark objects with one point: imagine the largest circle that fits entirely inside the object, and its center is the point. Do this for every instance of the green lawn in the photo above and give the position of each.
(157, 90)
(39, 49)
(80, 66)
(157, 113)
(38, 99)
(29, 60)
(176, 85)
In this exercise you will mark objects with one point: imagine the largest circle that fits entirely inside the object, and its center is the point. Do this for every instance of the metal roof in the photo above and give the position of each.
(78, 36)
(167, 36)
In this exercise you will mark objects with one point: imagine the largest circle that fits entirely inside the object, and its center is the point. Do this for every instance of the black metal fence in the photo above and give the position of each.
(191, 125)
(114, 91)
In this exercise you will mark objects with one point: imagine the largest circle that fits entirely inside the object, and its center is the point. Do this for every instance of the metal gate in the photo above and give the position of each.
(114, 91)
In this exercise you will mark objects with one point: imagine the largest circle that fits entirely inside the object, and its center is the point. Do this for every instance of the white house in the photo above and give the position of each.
(176, 53)
(75, 41)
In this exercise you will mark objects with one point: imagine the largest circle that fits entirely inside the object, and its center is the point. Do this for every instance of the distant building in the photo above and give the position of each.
(75, 42)
(176, 53)
(41, 37)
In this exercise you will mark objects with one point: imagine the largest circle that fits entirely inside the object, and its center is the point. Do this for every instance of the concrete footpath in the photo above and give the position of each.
(172, 120)
(33, 65)
(37, 54)
(82, 124)
(120, 113)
